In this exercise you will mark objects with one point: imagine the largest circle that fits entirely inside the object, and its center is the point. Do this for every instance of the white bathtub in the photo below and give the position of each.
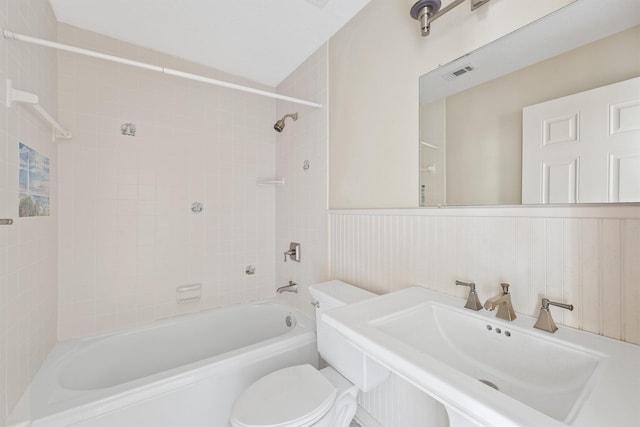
(182, 372)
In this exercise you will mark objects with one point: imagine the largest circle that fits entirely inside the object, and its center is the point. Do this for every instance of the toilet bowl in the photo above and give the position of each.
(301, 396)
(297, 396)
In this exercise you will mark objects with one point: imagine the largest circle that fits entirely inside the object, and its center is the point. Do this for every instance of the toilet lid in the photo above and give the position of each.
(298, 395)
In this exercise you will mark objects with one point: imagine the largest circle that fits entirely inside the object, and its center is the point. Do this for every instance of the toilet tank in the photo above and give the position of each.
(339, 352)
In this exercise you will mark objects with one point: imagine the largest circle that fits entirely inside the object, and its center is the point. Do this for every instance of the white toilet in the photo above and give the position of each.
(300, 396)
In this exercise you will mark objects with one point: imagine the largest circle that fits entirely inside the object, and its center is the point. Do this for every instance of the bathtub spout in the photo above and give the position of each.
(291, 287)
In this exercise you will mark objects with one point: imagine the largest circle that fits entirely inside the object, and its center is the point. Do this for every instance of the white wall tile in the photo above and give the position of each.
(301, 202)
(28, 248)
(130, 237)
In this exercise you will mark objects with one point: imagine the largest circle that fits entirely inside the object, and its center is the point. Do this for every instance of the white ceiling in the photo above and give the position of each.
(263, 40)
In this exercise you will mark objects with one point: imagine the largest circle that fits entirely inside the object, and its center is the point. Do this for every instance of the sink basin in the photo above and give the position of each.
(549, 376)
(488, 371)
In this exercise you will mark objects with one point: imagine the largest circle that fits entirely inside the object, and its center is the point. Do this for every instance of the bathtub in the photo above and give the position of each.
(184, 371)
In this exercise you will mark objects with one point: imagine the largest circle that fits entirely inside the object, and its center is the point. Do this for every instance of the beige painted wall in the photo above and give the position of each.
(374, 63)
(484, 124)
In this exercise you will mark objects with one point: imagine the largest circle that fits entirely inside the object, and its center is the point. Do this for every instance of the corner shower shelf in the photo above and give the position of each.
(15, 95)
(432, 146)
(274, 181)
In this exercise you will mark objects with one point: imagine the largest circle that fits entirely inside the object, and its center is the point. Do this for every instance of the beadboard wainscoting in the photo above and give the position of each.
(586, 256)
(398, 403)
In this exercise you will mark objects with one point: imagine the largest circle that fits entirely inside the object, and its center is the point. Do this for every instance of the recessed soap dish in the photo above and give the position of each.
(188, 293)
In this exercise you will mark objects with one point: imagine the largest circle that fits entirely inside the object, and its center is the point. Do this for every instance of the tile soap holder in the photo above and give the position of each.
(188, 293)
(273, 181)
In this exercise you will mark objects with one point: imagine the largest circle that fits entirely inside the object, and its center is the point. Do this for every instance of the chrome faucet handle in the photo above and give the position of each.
(505, 288)
(469, 284)
(546, 302)
(293, 253)
(545, 321)
(473, 303)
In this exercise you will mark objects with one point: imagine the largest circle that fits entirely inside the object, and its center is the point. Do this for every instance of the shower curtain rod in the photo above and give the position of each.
(169, 71)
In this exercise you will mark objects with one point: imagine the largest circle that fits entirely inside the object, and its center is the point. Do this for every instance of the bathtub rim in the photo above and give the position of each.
(75, 347)
(41, 401)
(307, 321)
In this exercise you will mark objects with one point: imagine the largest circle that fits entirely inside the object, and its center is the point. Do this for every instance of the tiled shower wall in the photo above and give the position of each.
(586, 256)
(128, 236)
(28, 248)
(301, 159)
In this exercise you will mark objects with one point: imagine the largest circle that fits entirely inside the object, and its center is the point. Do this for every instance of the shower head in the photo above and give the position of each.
(280, 123)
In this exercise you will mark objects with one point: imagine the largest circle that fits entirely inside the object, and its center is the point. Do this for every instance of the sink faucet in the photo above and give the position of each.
(503, 302)
(291, 287)
(473, 303)
(545, 321)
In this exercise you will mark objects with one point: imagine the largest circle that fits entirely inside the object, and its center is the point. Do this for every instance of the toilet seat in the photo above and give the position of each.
(295, 396)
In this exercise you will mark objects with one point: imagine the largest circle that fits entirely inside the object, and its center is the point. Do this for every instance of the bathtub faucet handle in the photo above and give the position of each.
(293, 252)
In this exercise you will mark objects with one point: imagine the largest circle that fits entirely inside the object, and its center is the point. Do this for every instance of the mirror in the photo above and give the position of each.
(471, 126)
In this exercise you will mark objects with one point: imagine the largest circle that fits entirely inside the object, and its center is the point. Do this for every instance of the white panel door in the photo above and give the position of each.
(583, 148)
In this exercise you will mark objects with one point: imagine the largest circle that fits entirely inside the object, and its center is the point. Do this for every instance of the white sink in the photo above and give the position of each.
(458, 356)
(546, 375)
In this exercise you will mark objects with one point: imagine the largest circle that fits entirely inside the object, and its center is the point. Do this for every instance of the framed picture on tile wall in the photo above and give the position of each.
(33, 182)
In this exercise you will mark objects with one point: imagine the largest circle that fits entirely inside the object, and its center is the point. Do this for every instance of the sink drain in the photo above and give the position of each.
(489, 383)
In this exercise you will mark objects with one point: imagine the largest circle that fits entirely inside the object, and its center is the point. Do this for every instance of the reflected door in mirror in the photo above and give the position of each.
(583, 148)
